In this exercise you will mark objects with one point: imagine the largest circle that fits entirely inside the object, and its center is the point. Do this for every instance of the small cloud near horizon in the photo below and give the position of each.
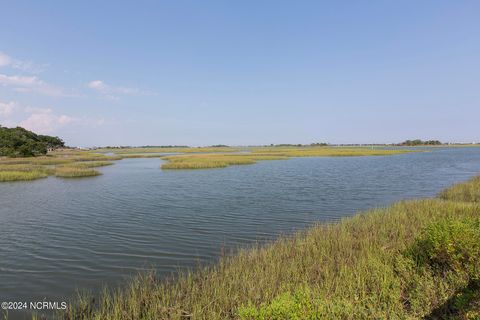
(111, 92)
(40, 120)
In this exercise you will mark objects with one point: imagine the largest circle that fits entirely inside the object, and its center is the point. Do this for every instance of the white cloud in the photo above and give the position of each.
(4, 60)
(29, 66)
(41, 120)
(32, 84)
(45, 121)
(111, 92)
(97, 85)
(7, 108)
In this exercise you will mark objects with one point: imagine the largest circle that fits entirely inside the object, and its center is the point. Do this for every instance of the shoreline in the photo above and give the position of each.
(361, 267)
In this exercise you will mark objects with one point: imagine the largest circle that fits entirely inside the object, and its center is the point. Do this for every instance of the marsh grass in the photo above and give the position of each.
(204, 161)
(467, 191)
(221, 160)
(361, 267)
(9, 176)
(64, 163)
(88, 164)
(26, 168)
(134, 155)
(168, 150)
(75, 172)
(37, 160)
(328, 151)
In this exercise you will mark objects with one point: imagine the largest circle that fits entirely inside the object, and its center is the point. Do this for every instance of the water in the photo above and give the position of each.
(57, 235)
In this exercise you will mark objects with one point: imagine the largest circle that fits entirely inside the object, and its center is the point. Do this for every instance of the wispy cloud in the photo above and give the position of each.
(33, 84)
(4, 60)
(112, 92)
(41, 120)
(7, 108)
(23, 65)
(45, 120)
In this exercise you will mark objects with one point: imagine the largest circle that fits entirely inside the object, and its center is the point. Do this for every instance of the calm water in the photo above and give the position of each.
(58, 235)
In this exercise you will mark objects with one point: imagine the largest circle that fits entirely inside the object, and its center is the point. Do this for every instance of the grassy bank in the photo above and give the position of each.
(75, 172)
(168, 150)
(204, 161)
(252, 155)
(66, 164)
(399, 262)
(467, 191)
(74, 163)
(7, 176)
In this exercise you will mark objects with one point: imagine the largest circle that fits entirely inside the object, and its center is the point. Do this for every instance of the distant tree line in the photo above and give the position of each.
(19, 142)
(419, 142)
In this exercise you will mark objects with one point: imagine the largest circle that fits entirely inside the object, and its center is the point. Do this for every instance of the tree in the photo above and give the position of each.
(19, 142)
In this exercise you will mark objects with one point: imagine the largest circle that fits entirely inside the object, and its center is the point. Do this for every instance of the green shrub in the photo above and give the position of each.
(450, 245)
(297, 306)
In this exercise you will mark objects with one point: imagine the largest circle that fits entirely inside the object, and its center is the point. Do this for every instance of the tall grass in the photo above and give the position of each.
(8, 176)
(27, 168)
(37, 160)
(221, 160)
(203, 161)
(75, 172)
(168, 150)
(89, 164)
(65, 164)
(467, 191)
(363, 267)
(328, 151)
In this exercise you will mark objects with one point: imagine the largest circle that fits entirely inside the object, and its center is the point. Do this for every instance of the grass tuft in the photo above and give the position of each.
(88, 164)
(75, 172)
(64, 163)
(467, 191)
(7, 176)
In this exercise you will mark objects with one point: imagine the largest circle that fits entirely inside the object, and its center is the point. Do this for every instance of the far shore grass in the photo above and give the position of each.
(74, 163)
(64, 164)
(404, 261)
(252, 155)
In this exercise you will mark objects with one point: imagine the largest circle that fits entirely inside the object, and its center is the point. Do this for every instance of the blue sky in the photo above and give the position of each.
(241, 72)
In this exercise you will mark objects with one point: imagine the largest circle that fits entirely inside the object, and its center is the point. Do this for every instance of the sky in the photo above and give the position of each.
(100, 73)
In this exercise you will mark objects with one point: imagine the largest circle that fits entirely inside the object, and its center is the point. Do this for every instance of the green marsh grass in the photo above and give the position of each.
(64, 163)
(26, 168)
(75, 172)
(221, 160)
(37, 160)
(204, 161)
(88, 164)
(168, 150)
(362, 267)
(8, 176)
(328, 151)
(467, 191)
